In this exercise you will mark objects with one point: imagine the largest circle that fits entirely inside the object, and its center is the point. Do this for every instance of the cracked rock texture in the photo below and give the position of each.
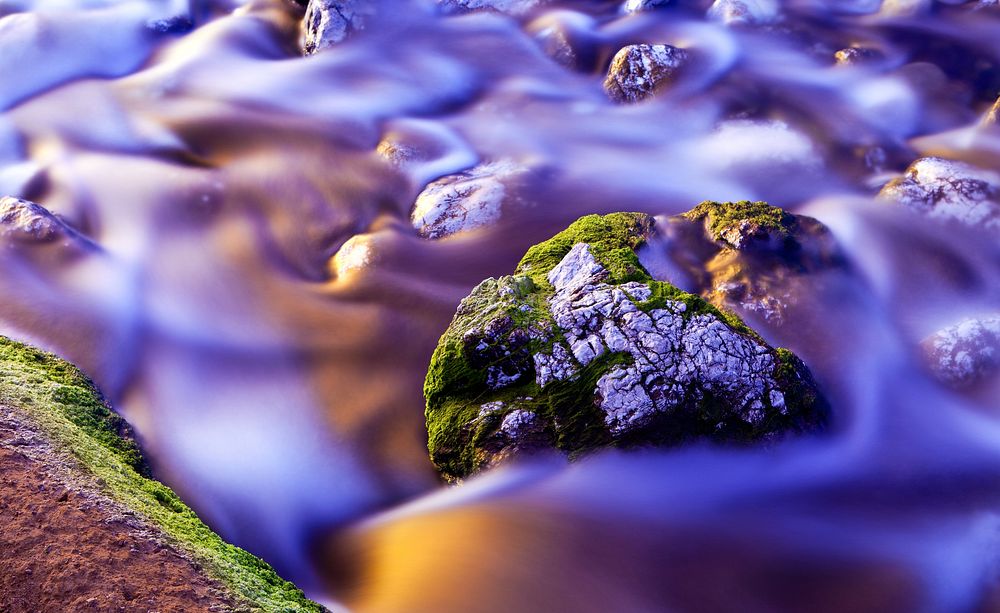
(637, 72)
(750, 257)
(465, 201)
(328, 22)
(949, 190)
(580, 349)
(966, 353)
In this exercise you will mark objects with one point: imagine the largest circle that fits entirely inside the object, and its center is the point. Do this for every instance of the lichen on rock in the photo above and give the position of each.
(581, 349)
(637, 72)
(949, 190)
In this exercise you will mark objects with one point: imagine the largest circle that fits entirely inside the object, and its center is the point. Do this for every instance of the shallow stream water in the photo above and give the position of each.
(216, 173)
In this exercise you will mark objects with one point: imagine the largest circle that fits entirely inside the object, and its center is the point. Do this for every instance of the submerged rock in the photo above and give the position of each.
(858, 56)
(639, 71)
(744, 12)
(751, 257)
(507, 7)
(966, 353)
(84, 527)
(465, 201)
(949, 190)
(580, 349)
(328, 22)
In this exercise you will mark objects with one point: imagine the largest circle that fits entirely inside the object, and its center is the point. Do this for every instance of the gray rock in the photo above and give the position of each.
(949, 190)
(966, 353)
(26, 222)
(637, 72)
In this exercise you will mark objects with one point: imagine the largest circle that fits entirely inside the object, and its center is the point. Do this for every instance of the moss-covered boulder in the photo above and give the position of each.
(54, 424)
(752, 258)
(581, 349)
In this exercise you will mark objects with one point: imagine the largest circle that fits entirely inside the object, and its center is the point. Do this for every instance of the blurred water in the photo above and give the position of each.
(219, 172)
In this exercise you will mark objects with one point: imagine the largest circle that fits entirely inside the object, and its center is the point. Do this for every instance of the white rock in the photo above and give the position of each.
(949, 190)
(751, 12)
(464, 201)
(328, 22)
(507, 7)
(638, 6)
(965, 353)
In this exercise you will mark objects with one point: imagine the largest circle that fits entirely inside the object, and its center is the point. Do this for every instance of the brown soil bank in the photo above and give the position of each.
(81, 526)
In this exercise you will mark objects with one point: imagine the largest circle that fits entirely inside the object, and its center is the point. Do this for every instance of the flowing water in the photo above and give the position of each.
(216, 173)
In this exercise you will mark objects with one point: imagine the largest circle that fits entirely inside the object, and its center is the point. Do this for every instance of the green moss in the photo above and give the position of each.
(456, 385)
(67, 407)
(721, 217)
(613, 240)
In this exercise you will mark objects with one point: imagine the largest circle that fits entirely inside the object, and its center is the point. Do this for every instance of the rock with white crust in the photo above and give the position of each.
(965, 353)
(949, 190)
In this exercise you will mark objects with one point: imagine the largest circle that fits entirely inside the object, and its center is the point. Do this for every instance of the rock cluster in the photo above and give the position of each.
(949, 190)
(581, 349)
(639, 71)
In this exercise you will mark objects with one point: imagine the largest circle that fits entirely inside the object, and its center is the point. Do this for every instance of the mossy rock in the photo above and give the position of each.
(582, 349)
(54, 398)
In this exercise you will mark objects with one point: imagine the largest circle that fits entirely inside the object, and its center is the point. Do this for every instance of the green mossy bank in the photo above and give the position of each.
(66, 407)
(483, 368)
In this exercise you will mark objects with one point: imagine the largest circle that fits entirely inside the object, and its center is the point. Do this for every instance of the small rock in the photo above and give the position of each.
(464, 201)
(949, 190)
(507, 7)
(328, 22)
(24, 221)
(857, 56)
(966, 353)
(744, 12)
(638, 6)
(638, 71)
(355, 254)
